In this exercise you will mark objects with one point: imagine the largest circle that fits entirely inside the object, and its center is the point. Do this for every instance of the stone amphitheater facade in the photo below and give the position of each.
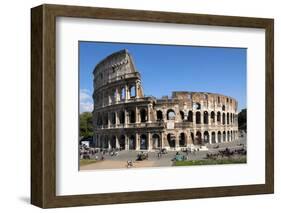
(124, 118)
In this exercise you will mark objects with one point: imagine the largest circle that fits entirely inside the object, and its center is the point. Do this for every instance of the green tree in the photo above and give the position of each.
(242, 120)
(85, 125)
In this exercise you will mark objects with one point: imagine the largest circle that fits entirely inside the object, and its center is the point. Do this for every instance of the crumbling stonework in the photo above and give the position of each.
(124, 118)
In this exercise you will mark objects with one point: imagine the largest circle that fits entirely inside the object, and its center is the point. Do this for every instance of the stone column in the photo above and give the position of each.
(216, 137)
(137, 115)
(117, 95)
(117, 143)
(162, 140)
(109, 144)
(149, 141)
(126, 92)
(137, 141)
(194, 117)
(126, 117)
(177, 143)
(136, 89)
(126, 142)
(148, 113)
(116, 119)
(215, 118)
(108, 120)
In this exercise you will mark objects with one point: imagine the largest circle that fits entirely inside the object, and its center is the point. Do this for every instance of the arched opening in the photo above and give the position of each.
(182, 141)
(182, 115)
(132, 116)
(132, 91)
(113, 142)
(227, 118)
(155, 141)
(99, 120)
(218, 117)
(213, 137)
(219, 137)
(228, 136)
(212, 117)
(190, 116)
(192, 137)
(171, 140)
(231, 118)
(206, 137)
(231, 136)
(122, 117)
(198, 138)
(159, 115)
(123, 93)
(223, 136)
(171, 114)
(122, 142)
(223, 107)
(206, 117)
(132, 143)
(198, 118)
(113, 118)
(143, 115)
(223, 118)
(105, 118)
(143, 142)
(105, 142)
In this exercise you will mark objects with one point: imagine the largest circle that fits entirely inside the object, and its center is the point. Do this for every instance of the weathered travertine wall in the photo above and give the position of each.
(124, 118)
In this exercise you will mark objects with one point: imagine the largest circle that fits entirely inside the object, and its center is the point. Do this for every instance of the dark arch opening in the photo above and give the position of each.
(132, 143)
(206, 137)
(223, 118)
(198, 118)
(171, 140)
(182, 141)
(122, 142)
(122, 117)
(182, 115)
(213, 137)
(159, 115)
(143, 115)
(206, 117)
(198, 137)
(190, 116)
(219, 117)
(212, 117)
(219, 137)
(143, 142)
(132, 116)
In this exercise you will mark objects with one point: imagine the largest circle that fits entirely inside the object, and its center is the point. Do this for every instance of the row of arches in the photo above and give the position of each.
(142, 142)
(197, 117)
(114, 95)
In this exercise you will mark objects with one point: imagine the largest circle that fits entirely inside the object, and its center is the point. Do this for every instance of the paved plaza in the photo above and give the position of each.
(166, 160)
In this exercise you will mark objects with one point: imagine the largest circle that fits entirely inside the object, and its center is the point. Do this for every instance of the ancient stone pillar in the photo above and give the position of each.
(126, 142)
(117, 143)
(149, 141)
(137, 141)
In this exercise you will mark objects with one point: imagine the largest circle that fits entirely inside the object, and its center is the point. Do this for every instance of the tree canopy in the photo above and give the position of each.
(242, 120)
(86, 125)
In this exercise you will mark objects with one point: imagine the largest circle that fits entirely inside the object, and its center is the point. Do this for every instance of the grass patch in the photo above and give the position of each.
(84, 162)
(210, 162)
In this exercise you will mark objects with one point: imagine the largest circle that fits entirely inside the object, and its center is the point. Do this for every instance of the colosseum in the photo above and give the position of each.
(124, 118)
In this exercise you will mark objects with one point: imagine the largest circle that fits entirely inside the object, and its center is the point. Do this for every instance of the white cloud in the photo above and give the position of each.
(86, 102)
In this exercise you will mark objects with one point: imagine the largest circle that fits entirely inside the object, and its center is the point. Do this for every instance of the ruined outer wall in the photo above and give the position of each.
(124, 118)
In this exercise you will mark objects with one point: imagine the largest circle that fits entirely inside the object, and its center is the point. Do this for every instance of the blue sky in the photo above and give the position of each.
(167, 68)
